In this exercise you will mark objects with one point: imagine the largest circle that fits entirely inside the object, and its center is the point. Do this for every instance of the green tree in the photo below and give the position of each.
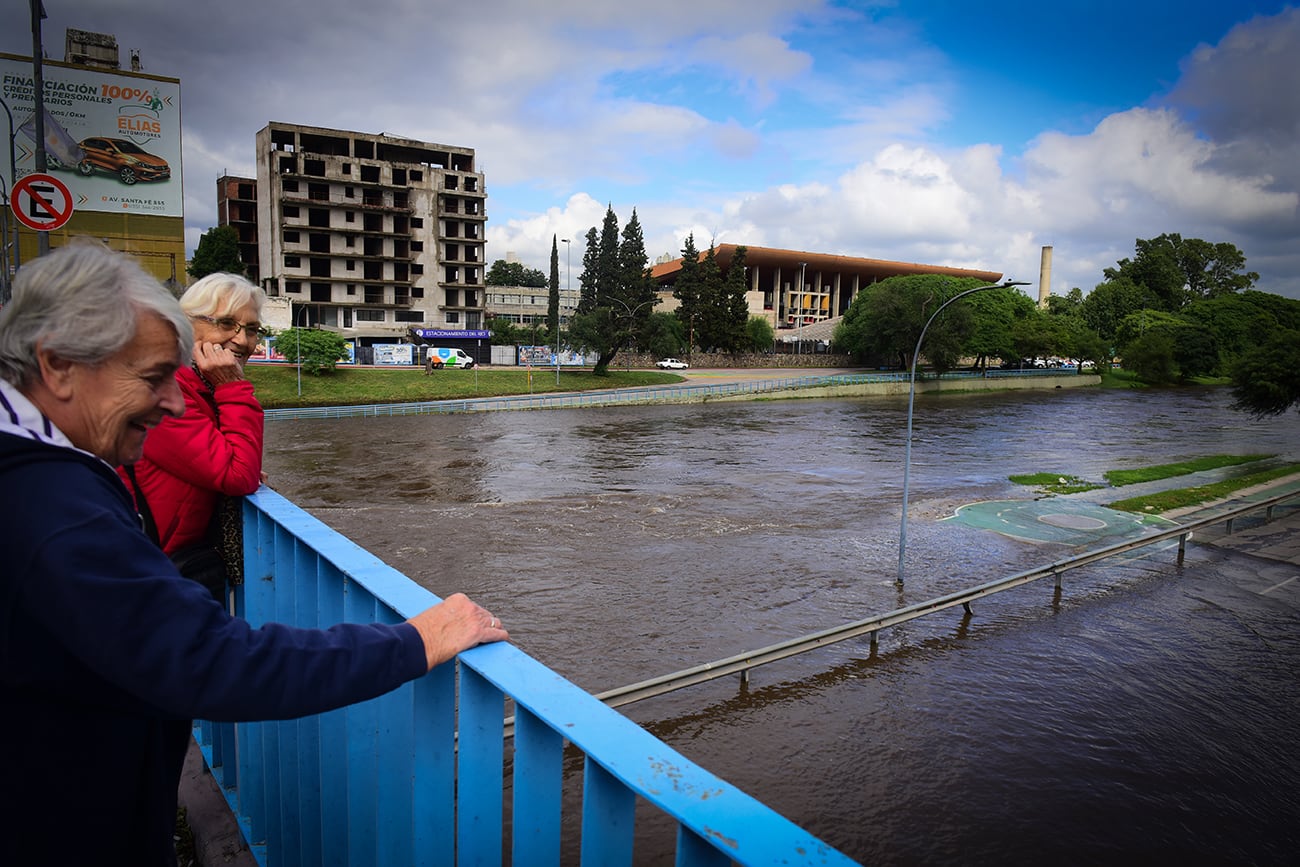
(1235, 321)
(1266, 380)
(617, 293)
(506, 333)
(994, 318)
(218, 251)
(710, 319)
(590, 272)
(553, 298)
(663, 335)
(885, 320)
(687, 288)
(1108, 303)
(1151, 358)
(503, 273)
(318, 351)
(1177, 270)
(735, 305)
(759, 334)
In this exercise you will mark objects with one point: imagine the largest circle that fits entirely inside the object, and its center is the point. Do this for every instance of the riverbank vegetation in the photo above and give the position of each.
(1119, 478)
(1181, 311)
(277, 385)
(1181, 498)
(1163, 501)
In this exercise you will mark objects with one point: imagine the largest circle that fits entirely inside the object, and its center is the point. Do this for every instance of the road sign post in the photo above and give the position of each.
(41, 202)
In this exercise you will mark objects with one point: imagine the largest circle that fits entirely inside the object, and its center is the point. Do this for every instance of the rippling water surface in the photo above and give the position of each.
(1145, 712)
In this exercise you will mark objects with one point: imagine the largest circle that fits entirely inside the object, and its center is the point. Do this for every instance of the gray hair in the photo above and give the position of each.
(219, 294)
(82, 302)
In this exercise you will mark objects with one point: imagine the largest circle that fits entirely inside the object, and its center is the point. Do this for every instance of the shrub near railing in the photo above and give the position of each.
(406, 779)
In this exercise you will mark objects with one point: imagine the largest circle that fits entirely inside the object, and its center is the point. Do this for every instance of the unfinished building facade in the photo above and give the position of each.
(370, 235)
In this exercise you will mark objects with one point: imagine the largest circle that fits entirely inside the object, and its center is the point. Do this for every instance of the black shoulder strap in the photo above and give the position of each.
(142, 506)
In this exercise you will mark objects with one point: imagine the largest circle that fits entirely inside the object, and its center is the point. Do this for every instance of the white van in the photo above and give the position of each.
(441, 356)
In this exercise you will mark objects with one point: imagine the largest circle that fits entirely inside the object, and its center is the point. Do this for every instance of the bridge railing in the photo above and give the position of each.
(427, 773)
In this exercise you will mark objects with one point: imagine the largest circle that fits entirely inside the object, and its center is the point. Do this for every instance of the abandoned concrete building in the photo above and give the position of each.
(367, 235)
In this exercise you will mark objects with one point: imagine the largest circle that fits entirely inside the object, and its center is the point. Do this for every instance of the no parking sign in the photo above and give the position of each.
(42, 202)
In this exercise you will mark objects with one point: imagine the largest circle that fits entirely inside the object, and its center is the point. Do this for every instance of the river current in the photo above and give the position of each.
(1144, 713)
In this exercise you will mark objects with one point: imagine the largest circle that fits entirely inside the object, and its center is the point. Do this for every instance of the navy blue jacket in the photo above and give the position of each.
(106, 654)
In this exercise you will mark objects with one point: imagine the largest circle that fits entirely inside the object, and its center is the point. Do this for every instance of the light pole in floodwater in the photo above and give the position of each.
(911, 399)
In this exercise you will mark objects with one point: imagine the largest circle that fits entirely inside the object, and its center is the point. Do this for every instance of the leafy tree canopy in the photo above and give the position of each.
(218, 251)
(617, 293)
(317, 350)
(758, 334)
(1177, 270)
(885, 320)
(503, 273)
(1266, 380)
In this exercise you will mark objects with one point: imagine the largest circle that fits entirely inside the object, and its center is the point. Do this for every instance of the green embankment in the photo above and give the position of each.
(277, 385)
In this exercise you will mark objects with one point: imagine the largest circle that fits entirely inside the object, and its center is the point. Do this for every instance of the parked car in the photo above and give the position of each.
(126, 159)
(672, 364)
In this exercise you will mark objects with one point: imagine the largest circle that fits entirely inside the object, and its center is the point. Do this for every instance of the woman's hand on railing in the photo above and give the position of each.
(455, 624)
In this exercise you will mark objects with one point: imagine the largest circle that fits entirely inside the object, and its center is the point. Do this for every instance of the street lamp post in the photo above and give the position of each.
(297, 333)
(911, 399)
(568, 285)
(10, 241)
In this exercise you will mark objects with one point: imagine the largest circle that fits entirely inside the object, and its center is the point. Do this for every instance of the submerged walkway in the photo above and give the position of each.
(1083, 519)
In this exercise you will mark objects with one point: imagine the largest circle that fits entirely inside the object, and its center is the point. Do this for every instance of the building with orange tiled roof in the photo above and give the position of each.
(795, 288)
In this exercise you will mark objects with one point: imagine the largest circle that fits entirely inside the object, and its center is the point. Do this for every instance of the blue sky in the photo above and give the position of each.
(942, 131)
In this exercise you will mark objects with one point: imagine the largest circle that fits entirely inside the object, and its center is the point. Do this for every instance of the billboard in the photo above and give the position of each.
(114, 138)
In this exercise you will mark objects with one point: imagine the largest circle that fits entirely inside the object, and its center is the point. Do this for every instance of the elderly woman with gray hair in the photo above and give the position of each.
(193, 464)
(106, 652)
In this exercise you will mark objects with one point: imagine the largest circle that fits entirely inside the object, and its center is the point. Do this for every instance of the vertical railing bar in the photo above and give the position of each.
(538, 784)
(433, 767)
(479, 771)
(694, 851)
(608, 817)
(332, 763)
(362, 744)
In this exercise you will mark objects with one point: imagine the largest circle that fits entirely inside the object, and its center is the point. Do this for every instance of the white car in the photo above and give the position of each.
(672, 364)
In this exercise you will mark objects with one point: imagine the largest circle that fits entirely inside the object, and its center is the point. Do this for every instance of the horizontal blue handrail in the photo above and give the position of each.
(642, 394)
(419, 776)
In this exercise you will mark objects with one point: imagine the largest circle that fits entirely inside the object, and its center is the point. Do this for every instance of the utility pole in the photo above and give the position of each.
(38, 79)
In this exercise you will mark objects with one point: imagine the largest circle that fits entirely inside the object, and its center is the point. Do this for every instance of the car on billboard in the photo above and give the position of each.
(124, 158)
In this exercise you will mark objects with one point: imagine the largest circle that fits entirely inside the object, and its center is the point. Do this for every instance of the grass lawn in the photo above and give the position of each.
(277, 384)
(1119, 478)
(1166, 501)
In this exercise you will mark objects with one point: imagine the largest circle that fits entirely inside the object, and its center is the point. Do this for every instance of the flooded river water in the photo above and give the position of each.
(1144, 713)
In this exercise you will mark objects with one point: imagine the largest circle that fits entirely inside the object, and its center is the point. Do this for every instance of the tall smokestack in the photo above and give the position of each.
(1045, 278)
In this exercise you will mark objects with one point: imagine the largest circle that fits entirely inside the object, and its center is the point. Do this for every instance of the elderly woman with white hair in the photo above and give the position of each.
(192, 464)
(106, 652)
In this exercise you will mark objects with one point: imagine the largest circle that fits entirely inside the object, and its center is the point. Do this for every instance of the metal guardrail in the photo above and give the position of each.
(418, 776)
(743, 662)
(644, 394)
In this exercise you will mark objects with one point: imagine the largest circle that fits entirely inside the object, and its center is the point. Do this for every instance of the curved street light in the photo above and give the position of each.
(911, 399)
(631, 314)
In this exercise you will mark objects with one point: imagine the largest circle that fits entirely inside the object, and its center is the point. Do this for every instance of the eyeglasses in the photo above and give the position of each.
(230, 326)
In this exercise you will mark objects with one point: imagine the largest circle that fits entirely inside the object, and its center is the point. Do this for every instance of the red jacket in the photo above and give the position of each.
(189, 461)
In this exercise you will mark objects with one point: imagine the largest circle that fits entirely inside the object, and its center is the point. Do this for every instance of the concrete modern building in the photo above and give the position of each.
(368, 235)
(797, 289)
(525, 305)
(237, 208)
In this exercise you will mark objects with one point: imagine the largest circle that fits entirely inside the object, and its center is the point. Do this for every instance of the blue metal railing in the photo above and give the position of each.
(418, 776)
(644, 394)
